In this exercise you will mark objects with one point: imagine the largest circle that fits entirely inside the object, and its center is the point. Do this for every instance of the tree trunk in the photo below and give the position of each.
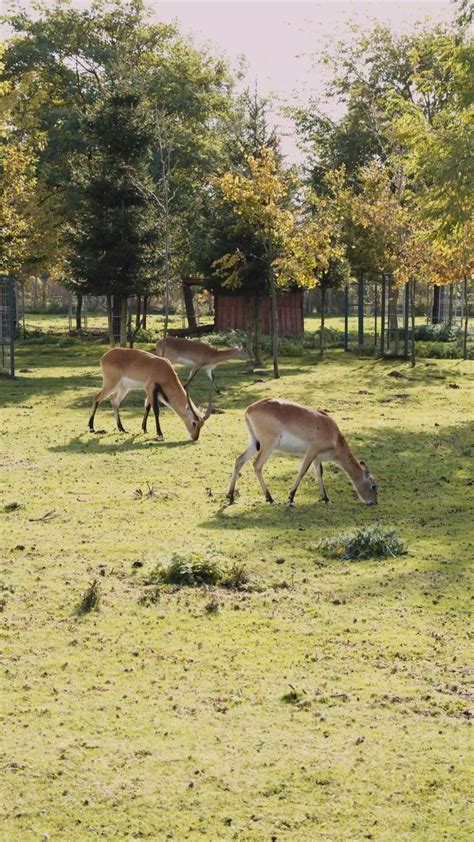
(110, 321)
(138, 313)
(123, 321)
(188, 297)
(257, 334)
(392, 314)
(274, 322)
(412, 308)
(466, 319)
(79, 312)
(435, 315)
(450, 305)
(144, 314)
(321, 328)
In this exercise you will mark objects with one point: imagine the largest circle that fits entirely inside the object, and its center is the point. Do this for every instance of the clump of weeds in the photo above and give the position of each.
(364, 543)
(212, 607)
(140, 494)
(192, 571)
(235, 578)
(12, 507)
(91, 599)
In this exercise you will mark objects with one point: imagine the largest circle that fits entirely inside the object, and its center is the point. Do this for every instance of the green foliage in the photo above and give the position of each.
(363, 543)
(190, 571)
(442, 332)
(235, 577)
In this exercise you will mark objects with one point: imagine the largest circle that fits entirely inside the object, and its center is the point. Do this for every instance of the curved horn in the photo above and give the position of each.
(208, 412)
(191, 406)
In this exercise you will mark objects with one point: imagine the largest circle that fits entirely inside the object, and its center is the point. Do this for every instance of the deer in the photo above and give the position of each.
(125, 368)
(198, 355)
(276, 424)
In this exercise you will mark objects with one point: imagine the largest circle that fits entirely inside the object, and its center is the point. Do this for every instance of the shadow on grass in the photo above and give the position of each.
(99, 444)
(422, 490)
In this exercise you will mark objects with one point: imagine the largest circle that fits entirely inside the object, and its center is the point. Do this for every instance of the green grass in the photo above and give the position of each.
(53, 322)
(329, 700)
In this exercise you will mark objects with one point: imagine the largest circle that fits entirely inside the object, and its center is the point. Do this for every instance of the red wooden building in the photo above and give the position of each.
(231, 313)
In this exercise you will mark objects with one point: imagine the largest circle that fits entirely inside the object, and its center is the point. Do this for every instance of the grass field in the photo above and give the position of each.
(329, 700)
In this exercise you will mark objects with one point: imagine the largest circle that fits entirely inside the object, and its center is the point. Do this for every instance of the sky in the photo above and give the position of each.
(281, 41)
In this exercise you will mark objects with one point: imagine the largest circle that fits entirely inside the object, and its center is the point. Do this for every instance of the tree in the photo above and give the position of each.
(114, 233)
(435, 152)
(293, 245)
(69, 61)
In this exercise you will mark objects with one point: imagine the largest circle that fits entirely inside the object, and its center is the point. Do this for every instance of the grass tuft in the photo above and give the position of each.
(235, 578)
(11, 507)
(191, 572)
(212, 607)
(358, 544)
(91, 599)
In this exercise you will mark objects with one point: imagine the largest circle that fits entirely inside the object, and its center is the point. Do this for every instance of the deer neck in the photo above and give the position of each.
(226, 354)
(349, 464)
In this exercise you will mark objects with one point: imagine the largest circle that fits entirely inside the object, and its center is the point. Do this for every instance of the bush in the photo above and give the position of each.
(226, 338)
(191, 572)
(194, 571)
(442, 332)
(146, 335)
(363, 543)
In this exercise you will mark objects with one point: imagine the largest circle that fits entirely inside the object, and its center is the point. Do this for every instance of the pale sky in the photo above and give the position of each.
(280, 40)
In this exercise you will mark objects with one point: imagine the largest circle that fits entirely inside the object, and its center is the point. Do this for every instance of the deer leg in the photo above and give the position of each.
(258, 467)
(239, 464)
(116, 401)
(307, 460)
(156, 410)
(104, 393)
(317, 464)
(147, 412)
(192, 375)
(210, 374)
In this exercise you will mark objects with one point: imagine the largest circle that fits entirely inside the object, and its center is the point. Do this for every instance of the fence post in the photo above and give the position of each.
(382, 319)
(405, 318)
(361, 308)
(11, 307)
(346, 317)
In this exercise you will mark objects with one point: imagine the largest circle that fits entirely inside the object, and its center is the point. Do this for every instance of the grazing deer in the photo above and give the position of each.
(198, 355)
(275, 424)
(124, 369)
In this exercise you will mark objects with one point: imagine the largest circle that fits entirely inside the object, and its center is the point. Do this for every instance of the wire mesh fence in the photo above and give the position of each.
(7, 325)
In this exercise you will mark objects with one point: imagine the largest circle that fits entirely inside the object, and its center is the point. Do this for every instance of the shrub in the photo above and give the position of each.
(227, 338)
(194, 571)
(146, 335)
(91, 599)
(442, 332)
(191, 572)
(363, 543)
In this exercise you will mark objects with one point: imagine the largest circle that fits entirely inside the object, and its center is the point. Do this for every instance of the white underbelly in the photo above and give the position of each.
(184, 361)
(128, 383)
(288, 443)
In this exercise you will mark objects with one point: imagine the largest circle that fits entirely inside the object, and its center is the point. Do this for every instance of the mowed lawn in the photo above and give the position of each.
(329, 701)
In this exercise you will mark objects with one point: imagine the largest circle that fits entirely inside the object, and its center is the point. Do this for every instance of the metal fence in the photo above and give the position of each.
(7, 325)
